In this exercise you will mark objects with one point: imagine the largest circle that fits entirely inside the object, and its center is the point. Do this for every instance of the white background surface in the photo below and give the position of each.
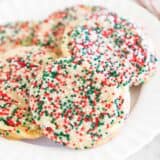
(149, 152)
(143, 123)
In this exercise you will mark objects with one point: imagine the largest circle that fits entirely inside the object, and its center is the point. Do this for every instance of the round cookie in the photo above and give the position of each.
(87, 39)
(105, 33)
(129, 40)
(17, 68)
(52, 28)
(74, 106)
(17, 34)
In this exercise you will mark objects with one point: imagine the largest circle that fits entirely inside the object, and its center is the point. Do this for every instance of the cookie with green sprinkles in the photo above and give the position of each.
(106, 32)
(52, 28)
(15, 34)
(75, 107)
(88, 40)
(17, 69)
(16, 120)
(130, 41)
(122, 37)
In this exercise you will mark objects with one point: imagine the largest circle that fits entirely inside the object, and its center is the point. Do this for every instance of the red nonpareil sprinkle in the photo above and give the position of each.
(10, 122)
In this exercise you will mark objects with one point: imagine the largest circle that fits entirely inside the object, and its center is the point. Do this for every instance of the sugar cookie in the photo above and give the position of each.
(17, 68)
(87, 39)
(74, 106)
(106, 32)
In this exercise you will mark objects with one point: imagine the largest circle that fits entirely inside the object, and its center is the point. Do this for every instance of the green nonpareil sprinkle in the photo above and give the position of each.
(7, 133)
(45, 75)
(112, 121)
(23, 86)
(46, 113)
(3, 120)
(75, 33)
(3, 105)
(53, 74)
(61, 134)
(117, 26)
(53, 120)
(18, 131)
(14, 111)
(40, 106)
(114, 74)
(81, 121)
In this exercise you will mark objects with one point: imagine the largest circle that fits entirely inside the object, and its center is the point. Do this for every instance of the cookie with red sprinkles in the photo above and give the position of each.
(17, 68)
(52, 28)
(114, 34)
(15, 34)
(75, 107)
(121, 37)
(88, 40)
(131, 41)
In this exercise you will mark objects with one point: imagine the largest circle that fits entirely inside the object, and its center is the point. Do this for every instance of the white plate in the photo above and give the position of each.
(144, 121)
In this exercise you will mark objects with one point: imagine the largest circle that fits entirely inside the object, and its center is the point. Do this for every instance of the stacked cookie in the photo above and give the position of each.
(68, 77)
